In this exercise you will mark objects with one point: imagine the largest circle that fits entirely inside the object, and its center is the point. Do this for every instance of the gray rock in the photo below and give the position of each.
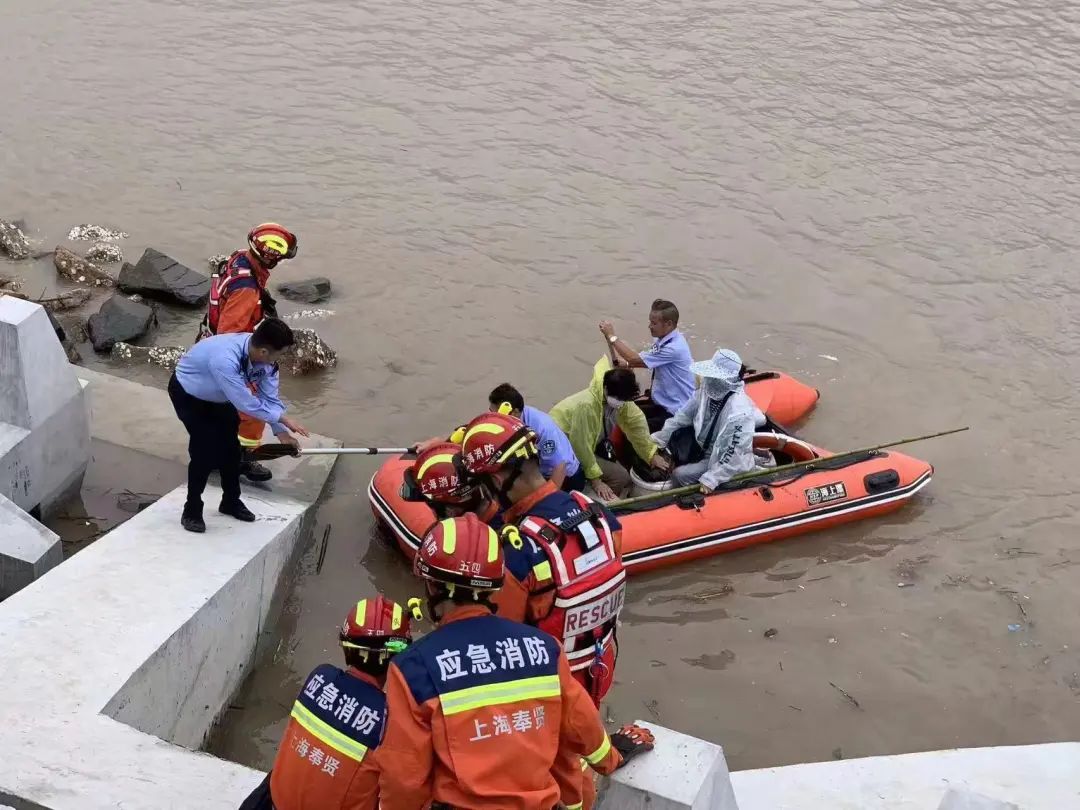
(79, 270)
(165, 356)
(215, 261)
(74, 334)
(308, 291)
(165, 279)
(309, 354)
(10, 284)
(105, 253)
(95, 233)
(119, 319)
(13, 241)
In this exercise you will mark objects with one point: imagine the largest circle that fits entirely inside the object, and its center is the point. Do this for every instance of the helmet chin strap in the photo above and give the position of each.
(502, 494)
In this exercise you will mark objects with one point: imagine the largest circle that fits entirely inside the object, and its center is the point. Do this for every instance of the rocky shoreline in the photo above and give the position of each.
(128, 316)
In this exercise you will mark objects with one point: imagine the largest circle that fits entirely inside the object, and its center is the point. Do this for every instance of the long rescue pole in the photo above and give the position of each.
(765, 473)
(271, 451)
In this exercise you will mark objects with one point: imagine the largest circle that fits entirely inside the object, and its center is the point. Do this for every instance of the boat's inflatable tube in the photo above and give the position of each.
(783, 505)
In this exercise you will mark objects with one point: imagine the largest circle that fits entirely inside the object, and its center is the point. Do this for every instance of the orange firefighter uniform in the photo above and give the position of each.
(484, 713)
(327, 758)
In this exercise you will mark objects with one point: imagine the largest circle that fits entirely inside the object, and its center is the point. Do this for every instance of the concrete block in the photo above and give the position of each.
(27, 549)
(44, 427)
(966, 800)
(34, 373)
(681, 773)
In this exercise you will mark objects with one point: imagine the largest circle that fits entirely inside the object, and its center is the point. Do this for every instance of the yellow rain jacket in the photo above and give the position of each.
(581, 417)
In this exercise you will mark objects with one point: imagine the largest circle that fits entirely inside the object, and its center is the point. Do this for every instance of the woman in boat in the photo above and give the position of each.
(589, 417)
(711, 438)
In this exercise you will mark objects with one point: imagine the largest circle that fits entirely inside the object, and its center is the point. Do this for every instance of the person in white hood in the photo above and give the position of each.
(722, 417)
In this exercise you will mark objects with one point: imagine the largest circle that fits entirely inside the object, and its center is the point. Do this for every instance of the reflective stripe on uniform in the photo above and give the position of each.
(497, 694)
(316, 727)
(574, 806)
(542, 571)
(598, 755)
(248, 442)
(395, 621)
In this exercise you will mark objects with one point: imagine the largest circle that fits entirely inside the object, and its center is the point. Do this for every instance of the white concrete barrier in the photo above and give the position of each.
(120, 659)
(1033, 777)
(680, 773)
(44, 431)
(27, 549)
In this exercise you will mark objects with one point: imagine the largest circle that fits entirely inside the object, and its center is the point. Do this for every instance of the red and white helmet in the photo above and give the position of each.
(442, 476)
(494, 440)
(461, 552)
(272, 243)
(377, 625)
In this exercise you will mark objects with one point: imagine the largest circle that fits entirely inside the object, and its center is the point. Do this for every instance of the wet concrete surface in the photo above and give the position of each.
(117, 482)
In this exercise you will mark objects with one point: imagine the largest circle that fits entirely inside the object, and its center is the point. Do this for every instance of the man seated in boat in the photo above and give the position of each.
(589, 419)
(711, 438)
(558, 463)
(669, 360)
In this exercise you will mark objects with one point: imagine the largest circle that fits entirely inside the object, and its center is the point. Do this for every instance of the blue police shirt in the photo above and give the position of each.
(217, 369)
(553, 444)
(670, 359)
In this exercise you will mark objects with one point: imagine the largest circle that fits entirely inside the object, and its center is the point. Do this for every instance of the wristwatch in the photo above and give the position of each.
(612, 339)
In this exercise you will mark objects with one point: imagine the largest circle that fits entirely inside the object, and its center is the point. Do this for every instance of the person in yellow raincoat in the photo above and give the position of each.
(588, 419)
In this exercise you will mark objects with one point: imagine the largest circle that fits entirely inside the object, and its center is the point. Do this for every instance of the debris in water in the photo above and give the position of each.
(832, 640)
(653, 708)
(771, 632)
(837, 753)
(849, 698)
(904, 584)
(95, 233)
(1015, 628)
(829, 357)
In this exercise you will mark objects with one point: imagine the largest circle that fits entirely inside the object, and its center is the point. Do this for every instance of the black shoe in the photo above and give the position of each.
(193, 523)
(255, 472)
(237, 510)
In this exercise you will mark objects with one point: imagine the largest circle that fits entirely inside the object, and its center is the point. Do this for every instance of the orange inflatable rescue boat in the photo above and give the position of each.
(772, 507)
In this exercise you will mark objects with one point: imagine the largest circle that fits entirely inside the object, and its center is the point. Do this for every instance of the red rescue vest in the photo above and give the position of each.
(590, 583)
(221, 282)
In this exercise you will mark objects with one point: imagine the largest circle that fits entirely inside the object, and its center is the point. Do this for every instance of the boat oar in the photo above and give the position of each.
(770, 471)
(267, 452)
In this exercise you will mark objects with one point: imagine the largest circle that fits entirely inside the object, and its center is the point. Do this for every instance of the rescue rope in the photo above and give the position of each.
(808, 466)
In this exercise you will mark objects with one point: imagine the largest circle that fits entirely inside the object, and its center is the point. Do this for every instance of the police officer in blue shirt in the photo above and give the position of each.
(673, 383)
(558, 462)
(219, 378)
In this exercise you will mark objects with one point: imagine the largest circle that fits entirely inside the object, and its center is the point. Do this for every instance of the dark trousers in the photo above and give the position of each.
(655, 415)
(212, 445)
(575, 482)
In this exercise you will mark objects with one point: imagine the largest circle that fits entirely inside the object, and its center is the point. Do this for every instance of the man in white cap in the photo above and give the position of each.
(712, 436)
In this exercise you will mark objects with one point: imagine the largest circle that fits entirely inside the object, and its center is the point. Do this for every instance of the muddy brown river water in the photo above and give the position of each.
(878, 197)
